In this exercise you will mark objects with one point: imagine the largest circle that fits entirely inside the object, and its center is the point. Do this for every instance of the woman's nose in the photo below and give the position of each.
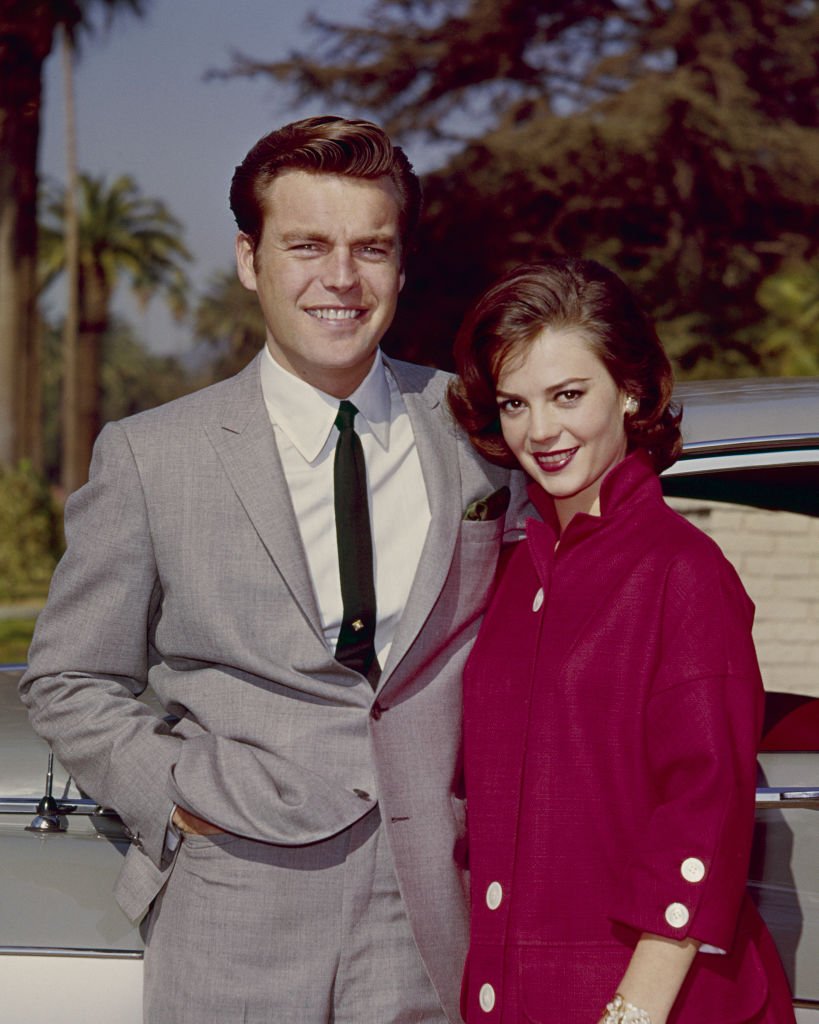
(543, 425)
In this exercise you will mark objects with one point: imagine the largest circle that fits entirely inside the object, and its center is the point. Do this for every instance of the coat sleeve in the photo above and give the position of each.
(89, 657)
(702, 725)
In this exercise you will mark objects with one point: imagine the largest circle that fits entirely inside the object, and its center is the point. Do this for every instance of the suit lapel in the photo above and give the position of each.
(244, 441)
(438, 452)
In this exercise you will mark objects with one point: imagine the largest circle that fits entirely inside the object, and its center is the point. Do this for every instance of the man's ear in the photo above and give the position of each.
(245, 258)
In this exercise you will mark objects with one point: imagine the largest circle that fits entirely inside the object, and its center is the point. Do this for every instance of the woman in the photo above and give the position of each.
(612, 702)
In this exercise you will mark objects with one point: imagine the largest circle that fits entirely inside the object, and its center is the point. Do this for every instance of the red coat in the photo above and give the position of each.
(612, 708)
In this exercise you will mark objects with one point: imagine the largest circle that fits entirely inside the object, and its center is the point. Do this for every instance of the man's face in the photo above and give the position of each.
(327, 271)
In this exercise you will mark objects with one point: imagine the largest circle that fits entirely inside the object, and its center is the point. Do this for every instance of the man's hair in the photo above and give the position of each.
(323, 145)
(564, 294)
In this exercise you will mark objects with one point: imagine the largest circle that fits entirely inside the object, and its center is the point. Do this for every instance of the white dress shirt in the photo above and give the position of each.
(303, 420)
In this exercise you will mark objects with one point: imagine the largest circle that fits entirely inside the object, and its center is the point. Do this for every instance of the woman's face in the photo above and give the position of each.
(562, 417)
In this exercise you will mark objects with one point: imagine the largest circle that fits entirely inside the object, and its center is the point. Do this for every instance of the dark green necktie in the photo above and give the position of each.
(356, 640)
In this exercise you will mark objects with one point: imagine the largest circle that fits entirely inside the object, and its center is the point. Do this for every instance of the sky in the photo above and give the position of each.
(144, 109)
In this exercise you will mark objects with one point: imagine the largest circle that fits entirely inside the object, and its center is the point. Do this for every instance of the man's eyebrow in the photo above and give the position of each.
(381, 237)
(307, 235)
(385, 238)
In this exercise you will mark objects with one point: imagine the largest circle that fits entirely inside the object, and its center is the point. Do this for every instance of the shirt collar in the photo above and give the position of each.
(306, 415)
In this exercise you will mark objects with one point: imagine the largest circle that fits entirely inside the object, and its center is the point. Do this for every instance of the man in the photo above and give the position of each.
(297, 833)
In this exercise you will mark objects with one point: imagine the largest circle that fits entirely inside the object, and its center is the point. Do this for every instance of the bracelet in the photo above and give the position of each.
(618, 1011)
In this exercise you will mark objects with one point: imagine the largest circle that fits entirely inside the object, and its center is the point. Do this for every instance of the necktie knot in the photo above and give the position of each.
(345, 416)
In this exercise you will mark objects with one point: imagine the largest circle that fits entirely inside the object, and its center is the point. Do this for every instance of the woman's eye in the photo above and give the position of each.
(569, 396)
(510, 405)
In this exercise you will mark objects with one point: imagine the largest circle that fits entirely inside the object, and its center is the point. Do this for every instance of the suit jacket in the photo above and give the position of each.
(185, 569)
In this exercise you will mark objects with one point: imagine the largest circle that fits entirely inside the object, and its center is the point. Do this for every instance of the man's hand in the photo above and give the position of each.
(190, 824)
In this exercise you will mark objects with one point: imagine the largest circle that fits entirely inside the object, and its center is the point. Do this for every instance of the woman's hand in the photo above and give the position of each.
(655, 974)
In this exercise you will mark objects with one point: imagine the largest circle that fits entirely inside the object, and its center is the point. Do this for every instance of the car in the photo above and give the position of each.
(749, 475)
(67, 952)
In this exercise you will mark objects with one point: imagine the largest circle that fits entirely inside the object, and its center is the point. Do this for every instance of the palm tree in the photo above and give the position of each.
(27, 32)
(120, 233)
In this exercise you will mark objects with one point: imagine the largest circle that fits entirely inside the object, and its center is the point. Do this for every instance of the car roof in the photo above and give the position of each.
(749, 409)
(752, 441)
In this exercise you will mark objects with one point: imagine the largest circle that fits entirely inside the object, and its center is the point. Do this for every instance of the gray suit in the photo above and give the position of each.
(185, 569)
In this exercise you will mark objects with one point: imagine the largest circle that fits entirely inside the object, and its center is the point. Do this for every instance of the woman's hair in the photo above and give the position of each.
(324, 145)
(564, 294)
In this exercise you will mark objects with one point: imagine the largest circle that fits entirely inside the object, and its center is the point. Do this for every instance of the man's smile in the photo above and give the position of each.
(335, 313)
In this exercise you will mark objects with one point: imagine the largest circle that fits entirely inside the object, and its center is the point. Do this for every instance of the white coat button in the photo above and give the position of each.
(537, 604)
(676, 914)
(494, 895)
(486, 997)
(692, 869)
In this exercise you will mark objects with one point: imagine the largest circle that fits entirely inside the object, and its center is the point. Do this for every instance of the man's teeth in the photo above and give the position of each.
(334, 313)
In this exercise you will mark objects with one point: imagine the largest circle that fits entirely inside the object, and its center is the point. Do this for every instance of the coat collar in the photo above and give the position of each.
(628, 484)
(632, 480)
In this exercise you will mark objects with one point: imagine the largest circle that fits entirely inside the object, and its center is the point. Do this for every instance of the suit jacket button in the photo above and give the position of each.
(362, 794)
(537, 604)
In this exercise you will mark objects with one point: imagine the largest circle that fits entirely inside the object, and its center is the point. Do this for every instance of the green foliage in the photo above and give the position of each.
(677, 142)
(132, 379)
(789, 340)
(15, 639)
(229, 320)
(121, 232)
(28, 29)
(29, 533)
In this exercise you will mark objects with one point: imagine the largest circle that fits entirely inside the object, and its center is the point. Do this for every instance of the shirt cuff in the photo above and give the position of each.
(172, 833)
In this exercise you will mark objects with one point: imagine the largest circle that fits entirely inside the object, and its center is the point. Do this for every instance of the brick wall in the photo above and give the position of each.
(777, 556)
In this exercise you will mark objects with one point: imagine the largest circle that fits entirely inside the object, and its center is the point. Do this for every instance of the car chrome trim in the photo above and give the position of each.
(97, 954)
(765, 443)
(30, 804)
(700, 460)
(787, 796)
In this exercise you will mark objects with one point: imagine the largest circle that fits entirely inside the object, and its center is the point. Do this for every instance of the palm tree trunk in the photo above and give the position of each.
(74, 469)
(24, 44)
(94, 300)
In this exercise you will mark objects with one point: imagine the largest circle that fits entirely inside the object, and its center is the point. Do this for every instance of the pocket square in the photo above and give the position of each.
(492, 507)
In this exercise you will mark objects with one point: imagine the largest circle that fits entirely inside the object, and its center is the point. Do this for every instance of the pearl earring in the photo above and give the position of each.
(631, 406)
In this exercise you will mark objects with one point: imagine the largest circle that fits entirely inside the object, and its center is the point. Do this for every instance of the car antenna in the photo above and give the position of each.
(51, 813)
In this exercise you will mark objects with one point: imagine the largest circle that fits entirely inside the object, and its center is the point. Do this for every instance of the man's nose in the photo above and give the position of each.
(339, 272)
